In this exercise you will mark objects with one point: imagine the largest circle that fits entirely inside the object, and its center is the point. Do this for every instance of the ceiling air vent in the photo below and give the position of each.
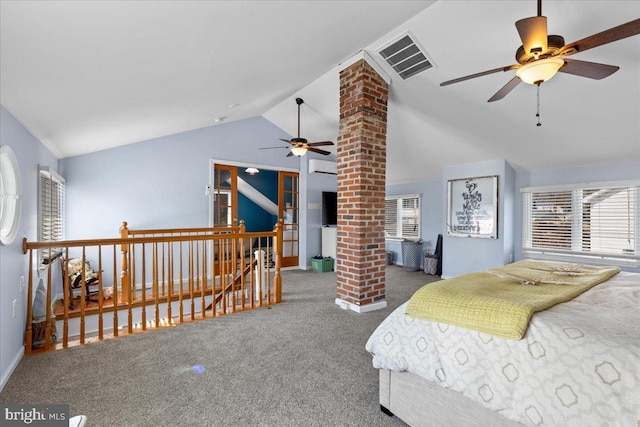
(406, 57)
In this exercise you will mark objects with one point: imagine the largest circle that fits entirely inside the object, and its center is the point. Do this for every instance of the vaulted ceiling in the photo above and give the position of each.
(86, 76)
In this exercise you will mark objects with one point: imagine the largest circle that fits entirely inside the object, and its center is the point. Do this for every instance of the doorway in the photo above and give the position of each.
(259, 199)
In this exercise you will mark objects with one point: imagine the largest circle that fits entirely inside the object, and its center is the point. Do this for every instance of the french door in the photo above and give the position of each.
(289, 213)
(225, 196)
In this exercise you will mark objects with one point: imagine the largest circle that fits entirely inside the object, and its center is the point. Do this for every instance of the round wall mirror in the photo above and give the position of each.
(10, 194)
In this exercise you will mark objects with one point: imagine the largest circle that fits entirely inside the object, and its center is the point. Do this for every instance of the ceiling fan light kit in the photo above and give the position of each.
(541, 55)
(539, 71)
(299, 151)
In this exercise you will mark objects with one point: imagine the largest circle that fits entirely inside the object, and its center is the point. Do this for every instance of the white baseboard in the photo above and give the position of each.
(12, 367)
(346, 305)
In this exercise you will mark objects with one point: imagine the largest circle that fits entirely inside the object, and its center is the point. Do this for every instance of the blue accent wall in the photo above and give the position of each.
(256, 218)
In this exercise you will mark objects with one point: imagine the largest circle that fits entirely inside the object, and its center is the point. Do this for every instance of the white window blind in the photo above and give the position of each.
(597, 220)
(50, 212)
(403, 217)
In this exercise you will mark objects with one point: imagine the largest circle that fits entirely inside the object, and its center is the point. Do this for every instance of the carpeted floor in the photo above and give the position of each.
(302, 362)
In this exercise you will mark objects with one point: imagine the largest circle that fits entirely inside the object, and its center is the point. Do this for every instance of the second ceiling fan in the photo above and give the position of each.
(299, 146)
(542, 55)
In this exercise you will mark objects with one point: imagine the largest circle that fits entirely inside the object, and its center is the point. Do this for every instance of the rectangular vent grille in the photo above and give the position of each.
(405, 57)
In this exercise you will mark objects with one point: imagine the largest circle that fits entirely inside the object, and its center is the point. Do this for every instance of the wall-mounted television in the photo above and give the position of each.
(329, 208)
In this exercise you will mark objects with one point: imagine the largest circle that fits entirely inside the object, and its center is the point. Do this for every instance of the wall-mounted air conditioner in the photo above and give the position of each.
(323, 166)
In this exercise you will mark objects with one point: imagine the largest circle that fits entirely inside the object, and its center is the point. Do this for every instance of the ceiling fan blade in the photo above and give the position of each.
(484, 73)
(285, 140)
(270, 148)
(319, 144)
(504, 91)
(319, 151)
(290, 154)
(620, 32)
(533, 33)
(592, 70)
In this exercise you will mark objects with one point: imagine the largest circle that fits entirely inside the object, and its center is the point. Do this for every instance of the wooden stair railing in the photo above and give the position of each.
(166, 271)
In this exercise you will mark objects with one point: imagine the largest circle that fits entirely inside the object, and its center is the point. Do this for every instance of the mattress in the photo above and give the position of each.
(577, 365)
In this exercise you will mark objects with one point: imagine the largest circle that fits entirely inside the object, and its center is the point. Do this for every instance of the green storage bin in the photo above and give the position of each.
(322, 265)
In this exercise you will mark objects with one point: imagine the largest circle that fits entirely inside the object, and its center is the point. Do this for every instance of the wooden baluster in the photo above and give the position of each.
(162, 268)
(100, 300)
(204, 279)
(233, 266)
(223, 275)
(83, 294)
(29, 331)
(180, 279)
(124, 274)
(154, 247)
(114, 298)
(144, 288)
(213, 243)
(132, 289)
(243, 300)
(66, 290)
(277, 285)
(156, 285)
(170, 281)
(191, 278)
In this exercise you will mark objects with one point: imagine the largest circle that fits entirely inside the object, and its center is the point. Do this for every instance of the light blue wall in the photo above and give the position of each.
(586, 174)
(431, 213)
(161, 182)
(316, 184)
(463, 255)
(13, 263)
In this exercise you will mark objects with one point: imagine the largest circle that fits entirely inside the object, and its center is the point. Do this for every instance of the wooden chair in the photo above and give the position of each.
(72, 278)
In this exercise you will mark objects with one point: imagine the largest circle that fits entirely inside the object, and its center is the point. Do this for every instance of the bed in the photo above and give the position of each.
(578, 364)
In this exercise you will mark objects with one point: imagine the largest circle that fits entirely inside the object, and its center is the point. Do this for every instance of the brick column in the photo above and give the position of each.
(361, 148)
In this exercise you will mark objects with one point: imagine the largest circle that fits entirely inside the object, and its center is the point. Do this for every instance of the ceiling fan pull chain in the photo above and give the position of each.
(538, 105)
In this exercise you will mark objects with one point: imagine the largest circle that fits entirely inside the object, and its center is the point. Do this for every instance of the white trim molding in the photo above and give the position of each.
(346, 305)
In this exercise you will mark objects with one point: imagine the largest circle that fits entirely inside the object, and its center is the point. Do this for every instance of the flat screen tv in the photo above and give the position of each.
(329, 208)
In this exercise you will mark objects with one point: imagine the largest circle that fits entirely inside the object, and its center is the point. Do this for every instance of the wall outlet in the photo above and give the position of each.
(21, 284)
(510, 257)
(13, 308)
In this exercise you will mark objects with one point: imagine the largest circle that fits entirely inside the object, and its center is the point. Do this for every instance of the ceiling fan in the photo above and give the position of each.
(299, 146)
(541, 55)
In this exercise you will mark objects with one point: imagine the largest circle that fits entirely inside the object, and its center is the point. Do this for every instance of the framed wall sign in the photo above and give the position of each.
(472, 208)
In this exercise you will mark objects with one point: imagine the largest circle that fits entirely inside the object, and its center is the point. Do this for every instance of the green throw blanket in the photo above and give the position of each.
(501, 301)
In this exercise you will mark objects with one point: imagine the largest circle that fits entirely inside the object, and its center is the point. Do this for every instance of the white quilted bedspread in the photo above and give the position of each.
(577, 365)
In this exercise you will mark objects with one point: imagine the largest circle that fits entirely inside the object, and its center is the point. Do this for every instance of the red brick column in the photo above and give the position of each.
(361, 148)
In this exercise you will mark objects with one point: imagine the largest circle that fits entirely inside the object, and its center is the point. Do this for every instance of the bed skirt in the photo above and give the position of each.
(420, 402)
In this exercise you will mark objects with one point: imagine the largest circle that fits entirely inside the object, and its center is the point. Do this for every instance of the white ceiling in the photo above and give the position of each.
(85, 76)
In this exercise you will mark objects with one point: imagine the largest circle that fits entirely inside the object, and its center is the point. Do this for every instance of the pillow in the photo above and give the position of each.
(39, 311)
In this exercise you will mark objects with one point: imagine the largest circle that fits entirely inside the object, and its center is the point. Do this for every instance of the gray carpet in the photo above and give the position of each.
(302, 362)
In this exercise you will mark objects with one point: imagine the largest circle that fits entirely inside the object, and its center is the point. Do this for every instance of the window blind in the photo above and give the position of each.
(591, 220)
(50, 212)
(403, 217)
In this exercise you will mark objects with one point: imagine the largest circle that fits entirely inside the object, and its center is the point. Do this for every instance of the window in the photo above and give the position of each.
(50, 212)
(402, 217)
(596, 221)
(10, 193)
